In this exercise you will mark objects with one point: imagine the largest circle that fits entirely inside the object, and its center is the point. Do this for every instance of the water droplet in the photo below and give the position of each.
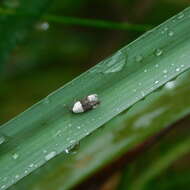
(158, 52)
(2, 139)
(162, 32)
(50, 155)
(78, 127)
(58, 133)
(111, 65)
(156, 65)
(46, 100)
(139, 58)
(156, 82)
(178, 69)
(36, 165)
(70, 125)
(44, 151)
(3, 186)
(73, 148)
(182, 65)
(140, 83)
(25, 171)
(145, 70)
(16, 176)
(170, 33)
(165, 71)
(180, 16)
(170, 85)
(142, 93)
(165, 76)
(15, 156)
(31, 165)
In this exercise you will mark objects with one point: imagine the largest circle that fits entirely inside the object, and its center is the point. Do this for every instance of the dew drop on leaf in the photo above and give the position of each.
(16, 176)
(142, 93)
(2, 139)
(111, 65)
(15, 156)
(31, 165)
(3, 187)
(58, 133)
(170, 84)
(44, 151)
(156, 65)
(156, 82)
(158, 52)
(73, 148)
(180, 16)
(50, 155)
(170, 33)
(46, 100)
(138, 58)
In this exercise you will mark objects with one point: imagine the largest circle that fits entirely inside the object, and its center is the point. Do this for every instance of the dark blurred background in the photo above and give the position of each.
(52, 54)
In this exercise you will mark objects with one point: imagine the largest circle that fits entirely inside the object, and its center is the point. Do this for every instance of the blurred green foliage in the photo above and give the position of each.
(165, 165)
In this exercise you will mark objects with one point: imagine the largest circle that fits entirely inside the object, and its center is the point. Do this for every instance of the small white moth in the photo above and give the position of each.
(88, 103)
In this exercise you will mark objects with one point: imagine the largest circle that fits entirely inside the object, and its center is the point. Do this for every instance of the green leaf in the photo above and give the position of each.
(157, 111)
(49, 128)
(14, 28)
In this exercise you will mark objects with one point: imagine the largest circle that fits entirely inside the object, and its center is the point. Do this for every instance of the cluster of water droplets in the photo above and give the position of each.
(166, 30)
(16, 177)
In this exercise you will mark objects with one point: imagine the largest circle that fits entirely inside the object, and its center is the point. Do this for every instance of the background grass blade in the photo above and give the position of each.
(81, 21)
(48, 128)
(13, 29)
(157, 111)
(160, 165)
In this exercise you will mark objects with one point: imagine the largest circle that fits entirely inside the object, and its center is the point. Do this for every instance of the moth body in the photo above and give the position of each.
(88, 103)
